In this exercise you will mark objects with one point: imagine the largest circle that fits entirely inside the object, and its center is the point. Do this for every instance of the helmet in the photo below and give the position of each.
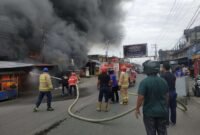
(103, 69)
(45, 69)
(73, 74)
(123, 68)
(151, 67)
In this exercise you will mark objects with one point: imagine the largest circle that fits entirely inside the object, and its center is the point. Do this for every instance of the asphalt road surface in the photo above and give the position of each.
(187, 122)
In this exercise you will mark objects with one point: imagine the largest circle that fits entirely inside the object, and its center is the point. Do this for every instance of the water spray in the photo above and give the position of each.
(37, 74)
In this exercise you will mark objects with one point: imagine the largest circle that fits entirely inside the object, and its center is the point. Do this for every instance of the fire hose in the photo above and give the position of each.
(180, 106)
(94, 120)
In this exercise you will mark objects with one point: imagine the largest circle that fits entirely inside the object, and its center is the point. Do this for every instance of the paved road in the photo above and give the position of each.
(17, 117)
(188, 123)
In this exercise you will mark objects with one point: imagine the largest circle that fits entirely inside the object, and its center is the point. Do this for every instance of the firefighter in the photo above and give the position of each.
(103, 85)
(65, 84)
(72, 83)
(45, 87)
(124, 83)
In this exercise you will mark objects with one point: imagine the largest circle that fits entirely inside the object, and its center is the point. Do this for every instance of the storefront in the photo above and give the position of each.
(12, 77)
(92, 66)
(8, 86)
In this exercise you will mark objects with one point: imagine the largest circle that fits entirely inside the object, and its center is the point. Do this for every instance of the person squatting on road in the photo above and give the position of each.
(72, 83)
(65, 84)
(114, 92)
(171, 81)
(153, 94)
(123, 84)
(103, 85)
(45, 87)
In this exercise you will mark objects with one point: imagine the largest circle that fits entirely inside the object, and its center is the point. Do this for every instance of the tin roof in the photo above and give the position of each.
(8, 64)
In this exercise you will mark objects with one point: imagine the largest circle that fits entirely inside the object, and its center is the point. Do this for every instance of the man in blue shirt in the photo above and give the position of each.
(114, 94)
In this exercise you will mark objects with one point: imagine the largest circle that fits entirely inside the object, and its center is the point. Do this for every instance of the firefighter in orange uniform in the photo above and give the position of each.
(124, 84)
(72, 83)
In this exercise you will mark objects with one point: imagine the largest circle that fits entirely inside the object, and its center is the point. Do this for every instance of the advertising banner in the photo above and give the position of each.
(135, 50)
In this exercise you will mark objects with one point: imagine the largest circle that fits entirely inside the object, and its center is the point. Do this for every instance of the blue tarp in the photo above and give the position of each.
(8, 94)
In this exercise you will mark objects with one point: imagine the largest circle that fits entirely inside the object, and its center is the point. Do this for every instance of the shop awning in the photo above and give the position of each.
(11, 65)
(196, 56)
(95, 61)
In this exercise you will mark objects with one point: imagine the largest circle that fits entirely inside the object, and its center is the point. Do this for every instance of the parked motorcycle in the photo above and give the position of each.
(196, 88)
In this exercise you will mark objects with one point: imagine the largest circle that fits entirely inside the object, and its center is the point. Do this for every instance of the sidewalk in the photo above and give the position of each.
(17, 116)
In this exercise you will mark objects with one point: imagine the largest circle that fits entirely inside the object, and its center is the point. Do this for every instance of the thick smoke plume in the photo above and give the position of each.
(57, 31)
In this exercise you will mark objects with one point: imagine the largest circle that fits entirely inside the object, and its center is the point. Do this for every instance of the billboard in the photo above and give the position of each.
(135, 50)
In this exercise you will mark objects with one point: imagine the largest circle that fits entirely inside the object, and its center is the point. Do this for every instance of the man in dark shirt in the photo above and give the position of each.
(152, 94)
(103, 84)
(171, 81)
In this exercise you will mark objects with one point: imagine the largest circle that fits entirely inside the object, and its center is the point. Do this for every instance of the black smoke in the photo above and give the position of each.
(58, 30)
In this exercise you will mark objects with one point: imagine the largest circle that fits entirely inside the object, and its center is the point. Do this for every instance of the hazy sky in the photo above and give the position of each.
(158, 22)
(152, 22)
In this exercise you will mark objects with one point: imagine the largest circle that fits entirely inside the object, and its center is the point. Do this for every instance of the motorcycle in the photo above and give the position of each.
(196, 88)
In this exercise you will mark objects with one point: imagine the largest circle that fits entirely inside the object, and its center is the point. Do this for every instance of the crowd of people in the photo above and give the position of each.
(156, 93)
(108, 86)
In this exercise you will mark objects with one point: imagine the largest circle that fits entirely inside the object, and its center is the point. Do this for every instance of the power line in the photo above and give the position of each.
(184, 19)
(167, 18)
(191, 22)
(194, 18)
(179, 18)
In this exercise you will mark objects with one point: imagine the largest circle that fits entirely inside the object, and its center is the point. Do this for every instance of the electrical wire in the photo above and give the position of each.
(181, 18)
(167, 19)
(191, 22)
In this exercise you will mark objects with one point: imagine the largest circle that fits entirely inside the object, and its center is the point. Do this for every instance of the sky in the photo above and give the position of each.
(160, 22)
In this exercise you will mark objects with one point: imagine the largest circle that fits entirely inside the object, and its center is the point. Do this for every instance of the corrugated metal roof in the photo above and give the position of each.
(8, 64)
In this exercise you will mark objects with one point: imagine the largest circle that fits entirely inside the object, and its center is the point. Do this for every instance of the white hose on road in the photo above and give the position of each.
(95, 120)
(180, 106)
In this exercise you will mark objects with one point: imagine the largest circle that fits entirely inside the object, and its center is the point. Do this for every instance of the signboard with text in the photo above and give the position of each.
(135, 50)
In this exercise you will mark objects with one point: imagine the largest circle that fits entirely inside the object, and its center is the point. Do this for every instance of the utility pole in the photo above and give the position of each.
(154, 46)
(107, 46)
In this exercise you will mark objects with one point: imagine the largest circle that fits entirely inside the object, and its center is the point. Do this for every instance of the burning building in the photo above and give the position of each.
(15, 78)
(56, 31)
